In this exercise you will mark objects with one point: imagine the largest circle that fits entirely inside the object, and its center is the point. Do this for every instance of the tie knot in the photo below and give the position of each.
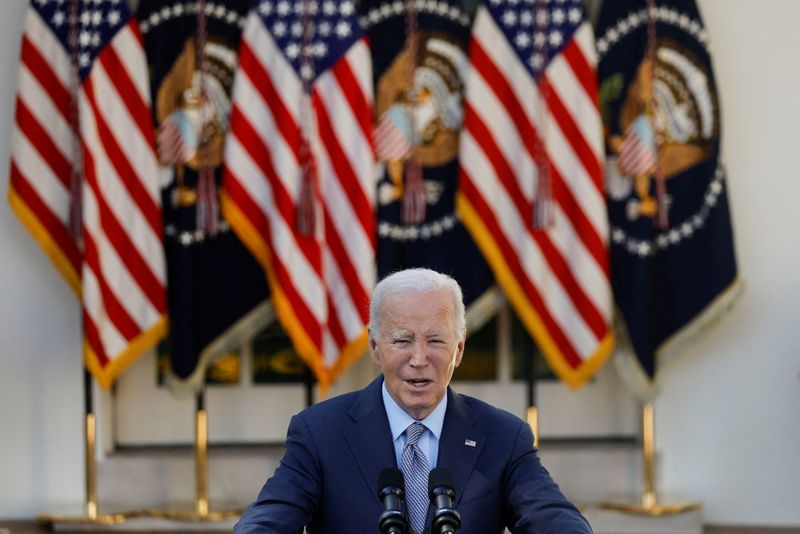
(413, 432)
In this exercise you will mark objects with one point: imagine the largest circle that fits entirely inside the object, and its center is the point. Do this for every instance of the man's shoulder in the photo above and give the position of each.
(338, 404)
(488, 414)
(331, 410)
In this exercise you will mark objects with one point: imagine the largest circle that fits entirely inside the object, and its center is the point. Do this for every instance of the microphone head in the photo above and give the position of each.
(440, 480)
(390, 477)
(390, 491)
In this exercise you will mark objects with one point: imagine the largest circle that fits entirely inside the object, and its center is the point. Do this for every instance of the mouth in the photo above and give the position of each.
(418, 383)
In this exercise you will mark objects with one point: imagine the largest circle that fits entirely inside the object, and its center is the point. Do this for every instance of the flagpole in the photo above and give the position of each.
(75, 227)
(201, 456)
(201, 510)
(91, 441)
(533, 411)
(91, 508)
(648, 503)
(308, 378)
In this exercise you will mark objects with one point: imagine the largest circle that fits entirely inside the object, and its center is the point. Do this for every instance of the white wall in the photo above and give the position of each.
(728, 419)
(41, 406)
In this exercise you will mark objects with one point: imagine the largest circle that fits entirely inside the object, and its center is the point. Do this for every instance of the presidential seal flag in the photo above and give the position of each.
(530, 188)
(216, 289)
(419, 53)
(299, 181)
(672, 254)
(84, 174)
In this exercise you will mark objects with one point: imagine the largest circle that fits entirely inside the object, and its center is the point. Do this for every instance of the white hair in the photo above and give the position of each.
(417, 280)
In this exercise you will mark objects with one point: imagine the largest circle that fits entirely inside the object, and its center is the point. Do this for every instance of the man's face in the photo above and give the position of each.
(417, 348)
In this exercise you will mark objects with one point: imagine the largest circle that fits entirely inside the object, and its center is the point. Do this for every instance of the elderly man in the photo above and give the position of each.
(409, 417)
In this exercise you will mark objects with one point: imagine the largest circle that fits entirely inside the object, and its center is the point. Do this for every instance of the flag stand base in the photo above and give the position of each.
(209, 516)
(156, 517)
(653, 508)
(649, 504)
(91, 518)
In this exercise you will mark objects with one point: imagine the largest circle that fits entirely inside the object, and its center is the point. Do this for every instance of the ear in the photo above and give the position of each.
(459, 352)
(373, 351)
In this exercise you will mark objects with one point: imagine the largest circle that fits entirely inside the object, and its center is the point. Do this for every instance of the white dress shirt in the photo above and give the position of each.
(399, 421)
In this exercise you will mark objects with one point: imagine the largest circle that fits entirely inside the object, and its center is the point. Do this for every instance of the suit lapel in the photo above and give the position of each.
(461, 443)
(369, 436)
(370, 439)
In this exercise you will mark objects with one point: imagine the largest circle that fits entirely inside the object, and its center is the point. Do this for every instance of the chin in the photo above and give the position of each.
(420, 405)
(415, 403)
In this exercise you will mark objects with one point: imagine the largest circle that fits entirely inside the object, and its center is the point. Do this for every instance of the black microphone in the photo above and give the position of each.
(441, 489)
(390, 490)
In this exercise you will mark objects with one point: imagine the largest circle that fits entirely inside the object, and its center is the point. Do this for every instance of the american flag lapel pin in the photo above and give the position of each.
(470, 442)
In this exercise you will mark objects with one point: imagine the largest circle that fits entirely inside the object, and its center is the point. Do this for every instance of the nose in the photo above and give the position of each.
(418, 356)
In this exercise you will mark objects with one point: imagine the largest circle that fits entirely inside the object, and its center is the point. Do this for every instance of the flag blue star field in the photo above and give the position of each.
(214, 285)
(672, 252)
(84, 174)
(532, 146)
(301, 124)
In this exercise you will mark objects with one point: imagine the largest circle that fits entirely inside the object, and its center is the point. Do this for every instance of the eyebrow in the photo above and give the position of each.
(397, 334)
(400, 334)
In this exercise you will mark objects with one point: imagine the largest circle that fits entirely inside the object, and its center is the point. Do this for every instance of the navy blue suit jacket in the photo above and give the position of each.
(327, 480)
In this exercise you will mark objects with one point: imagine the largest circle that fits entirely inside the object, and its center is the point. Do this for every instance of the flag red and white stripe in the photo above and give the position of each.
(320, 283)
(556, 278)
(635, 157)
(117, 266)
(390, 141)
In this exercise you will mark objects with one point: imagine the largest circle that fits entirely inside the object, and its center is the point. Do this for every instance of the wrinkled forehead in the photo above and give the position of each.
(418, 306)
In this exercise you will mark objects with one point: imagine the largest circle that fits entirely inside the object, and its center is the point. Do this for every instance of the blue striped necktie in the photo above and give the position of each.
(415, 469)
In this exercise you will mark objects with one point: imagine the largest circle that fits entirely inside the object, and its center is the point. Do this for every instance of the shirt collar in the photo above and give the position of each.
(399, 419)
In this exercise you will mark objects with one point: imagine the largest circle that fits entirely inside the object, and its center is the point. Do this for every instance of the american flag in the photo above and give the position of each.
(637, 154)
(531, 98)
(305, 72)
(392, 135)
(94, 123)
